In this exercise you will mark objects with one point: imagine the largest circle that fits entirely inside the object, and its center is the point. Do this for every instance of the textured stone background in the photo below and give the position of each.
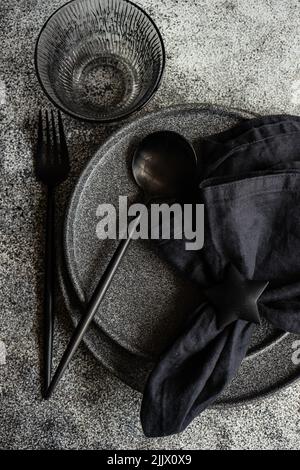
(243, 53)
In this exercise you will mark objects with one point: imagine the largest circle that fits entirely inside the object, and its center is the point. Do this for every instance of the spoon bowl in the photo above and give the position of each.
(164, 165)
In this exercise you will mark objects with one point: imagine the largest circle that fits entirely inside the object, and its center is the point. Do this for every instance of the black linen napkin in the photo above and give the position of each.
(251, 192)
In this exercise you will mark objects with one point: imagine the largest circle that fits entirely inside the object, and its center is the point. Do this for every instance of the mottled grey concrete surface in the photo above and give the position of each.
(242, 53)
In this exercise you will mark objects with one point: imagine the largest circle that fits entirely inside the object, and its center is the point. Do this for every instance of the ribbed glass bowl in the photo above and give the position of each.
(99, 60)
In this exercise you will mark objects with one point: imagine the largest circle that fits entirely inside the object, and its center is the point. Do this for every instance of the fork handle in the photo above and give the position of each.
(49, 286)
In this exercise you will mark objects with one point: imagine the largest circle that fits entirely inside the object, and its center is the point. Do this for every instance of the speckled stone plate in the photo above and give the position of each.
(147, 300)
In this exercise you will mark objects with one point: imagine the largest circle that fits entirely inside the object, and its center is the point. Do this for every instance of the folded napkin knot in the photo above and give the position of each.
(235, 297)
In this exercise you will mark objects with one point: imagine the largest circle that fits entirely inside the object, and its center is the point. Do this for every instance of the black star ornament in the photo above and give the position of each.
(235, 298)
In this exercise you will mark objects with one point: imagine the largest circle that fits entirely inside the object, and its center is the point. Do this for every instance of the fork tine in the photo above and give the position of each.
(48, 138)
(64, 154)
(40, 136)
(55, 148)
(39, 155)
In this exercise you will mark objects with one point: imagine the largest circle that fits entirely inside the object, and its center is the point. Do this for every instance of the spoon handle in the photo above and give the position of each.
(92, 308)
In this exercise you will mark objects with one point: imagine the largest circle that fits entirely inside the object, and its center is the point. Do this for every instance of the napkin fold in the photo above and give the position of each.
(250, 186)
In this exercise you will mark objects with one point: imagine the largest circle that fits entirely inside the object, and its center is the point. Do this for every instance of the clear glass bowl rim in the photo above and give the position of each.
(136, 108)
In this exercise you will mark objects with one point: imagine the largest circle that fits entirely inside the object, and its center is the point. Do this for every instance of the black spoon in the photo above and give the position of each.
(164, 166)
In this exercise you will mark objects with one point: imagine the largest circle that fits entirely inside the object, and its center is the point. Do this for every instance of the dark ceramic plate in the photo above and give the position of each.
(147, 300)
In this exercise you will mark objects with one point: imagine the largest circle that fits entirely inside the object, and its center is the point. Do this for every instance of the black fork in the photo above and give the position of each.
(52, 168)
